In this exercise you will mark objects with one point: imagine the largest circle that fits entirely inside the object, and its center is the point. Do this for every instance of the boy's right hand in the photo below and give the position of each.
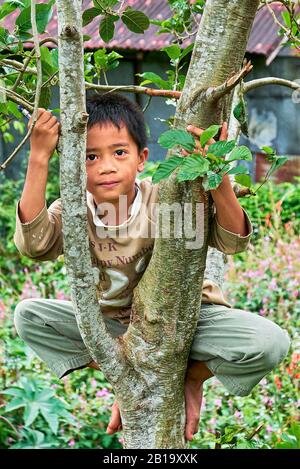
(44, 137)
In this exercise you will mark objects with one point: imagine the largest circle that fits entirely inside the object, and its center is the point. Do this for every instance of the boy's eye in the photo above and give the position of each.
(90, 157)
(120, 152)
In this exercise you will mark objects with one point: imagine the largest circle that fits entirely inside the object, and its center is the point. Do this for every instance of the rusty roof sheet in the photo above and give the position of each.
(264, 38)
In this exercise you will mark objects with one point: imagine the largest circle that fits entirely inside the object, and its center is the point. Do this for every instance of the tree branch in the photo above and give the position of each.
(38, 87)
(251, 85)
(82, 275)
(18, 66)
(213, 94)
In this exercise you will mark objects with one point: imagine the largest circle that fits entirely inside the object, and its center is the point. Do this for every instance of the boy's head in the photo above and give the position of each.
(116, 146)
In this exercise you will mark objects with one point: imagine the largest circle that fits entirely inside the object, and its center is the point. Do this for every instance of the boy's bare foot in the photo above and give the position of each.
(115, 423)
(193, 392)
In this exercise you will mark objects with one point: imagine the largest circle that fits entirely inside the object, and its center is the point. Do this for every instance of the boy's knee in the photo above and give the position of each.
(275, 348)
(22, 318)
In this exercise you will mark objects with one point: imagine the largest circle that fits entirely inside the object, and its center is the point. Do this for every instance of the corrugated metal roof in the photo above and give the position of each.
(263, 39)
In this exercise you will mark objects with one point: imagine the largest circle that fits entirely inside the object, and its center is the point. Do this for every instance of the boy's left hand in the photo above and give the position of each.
(197, 131)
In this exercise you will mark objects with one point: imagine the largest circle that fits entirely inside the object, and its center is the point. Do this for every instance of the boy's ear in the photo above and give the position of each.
(143, 156)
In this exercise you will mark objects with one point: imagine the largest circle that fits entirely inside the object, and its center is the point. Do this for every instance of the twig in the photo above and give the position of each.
(147, 104)
(38, 87)
(11, 425)
(17, 66)
(26, 63)
(49, 79)
(257, 430)
(43, 41)
(7, 121)
(16, 98)
(135, 89)
(213, 94)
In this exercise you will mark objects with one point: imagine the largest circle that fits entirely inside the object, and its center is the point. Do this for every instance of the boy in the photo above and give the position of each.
(237, 346)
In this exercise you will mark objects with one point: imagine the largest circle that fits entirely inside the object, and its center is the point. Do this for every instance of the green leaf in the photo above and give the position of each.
(243, 179)
(172, 138)
(211, 181)
(43, 15)
(209, 133)
(136, 21)
(7, 8)
(104, 4)
(89, 15)
(100, 58)
(241, 114)
(107, 27)
(286, 18)
(45, 98)
(3, 36)
(173, 51)
(221, 148)
(166, 168)
(280, 161)
(47, 63)
(13, 109)
(186, 51)
(31, 413)
(51, 419)
(269, 150)
(17, 392)
(240, 153)
(239, 170)
(192, 167)
(54, 56)
(151, 77)
(15, 404)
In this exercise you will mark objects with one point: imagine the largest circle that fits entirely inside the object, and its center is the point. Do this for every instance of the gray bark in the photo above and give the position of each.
(146, 366)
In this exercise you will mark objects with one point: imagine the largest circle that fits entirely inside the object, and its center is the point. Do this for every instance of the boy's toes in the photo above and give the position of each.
(115, 420)
(190, 429)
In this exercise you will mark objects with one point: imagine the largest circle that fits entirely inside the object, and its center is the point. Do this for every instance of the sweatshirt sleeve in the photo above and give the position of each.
(41, 238)
(227, 241)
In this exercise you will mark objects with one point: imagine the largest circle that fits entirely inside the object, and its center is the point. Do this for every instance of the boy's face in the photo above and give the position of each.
(112, 163)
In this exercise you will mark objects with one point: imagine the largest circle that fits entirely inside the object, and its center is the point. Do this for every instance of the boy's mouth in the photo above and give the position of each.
(108, 184)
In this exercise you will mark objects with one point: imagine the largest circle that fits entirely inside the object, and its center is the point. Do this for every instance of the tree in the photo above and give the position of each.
(147, 365)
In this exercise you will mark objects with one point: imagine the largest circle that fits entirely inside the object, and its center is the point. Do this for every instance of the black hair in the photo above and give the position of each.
(117, 109)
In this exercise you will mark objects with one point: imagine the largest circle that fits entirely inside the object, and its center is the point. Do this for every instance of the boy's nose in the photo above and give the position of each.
(106, 168)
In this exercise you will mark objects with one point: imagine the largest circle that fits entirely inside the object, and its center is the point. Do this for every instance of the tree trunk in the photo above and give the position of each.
(147, 365)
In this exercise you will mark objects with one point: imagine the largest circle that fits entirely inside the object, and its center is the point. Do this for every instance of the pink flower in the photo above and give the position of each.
(71, 443)
(102, 393)
(269, 429)
(218, 402)
(295, 293)
(94, 383)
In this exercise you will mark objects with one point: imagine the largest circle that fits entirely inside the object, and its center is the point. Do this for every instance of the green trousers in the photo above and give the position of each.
(237, 346)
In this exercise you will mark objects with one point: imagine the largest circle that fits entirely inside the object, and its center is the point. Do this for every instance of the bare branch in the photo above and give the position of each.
(26, 63)
(213, 94)
(17, 66)
(16, 98)
(135, 89)
(251, 85)
(38, 87)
